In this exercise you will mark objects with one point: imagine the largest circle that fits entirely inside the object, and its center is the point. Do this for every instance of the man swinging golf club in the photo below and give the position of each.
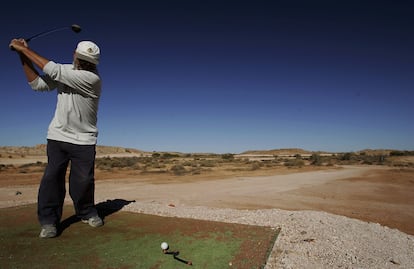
(72, 133)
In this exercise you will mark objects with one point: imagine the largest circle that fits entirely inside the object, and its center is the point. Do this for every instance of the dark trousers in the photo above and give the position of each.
(52, 189)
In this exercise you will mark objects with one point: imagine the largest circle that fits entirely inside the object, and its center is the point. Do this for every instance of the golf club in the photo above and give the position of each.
(74, 27)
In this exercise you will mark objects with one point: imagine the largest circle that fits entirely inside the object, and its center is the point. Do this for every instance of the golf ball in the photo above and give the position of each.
(164, 245)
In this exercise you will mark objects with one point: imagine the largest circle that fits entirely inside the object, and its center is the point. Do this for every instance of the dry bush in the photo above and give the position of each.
(178, 170)
(294, 163)
(208, 163)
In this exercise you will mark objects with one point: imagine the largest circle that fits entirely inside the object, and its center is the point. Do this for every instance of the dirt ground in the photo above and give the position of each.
(377, 194)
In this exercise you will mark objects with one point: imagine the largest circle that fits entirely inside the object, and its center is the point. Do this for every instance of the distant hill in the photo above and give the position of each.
(375, 151)
(40, 150)
(101, 150)
(14, 151)
(294, 151)
(290, 151)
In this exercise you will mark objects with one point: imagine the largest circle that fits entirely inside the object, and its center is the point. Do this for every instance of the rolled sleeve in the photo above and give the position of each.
(42, 83)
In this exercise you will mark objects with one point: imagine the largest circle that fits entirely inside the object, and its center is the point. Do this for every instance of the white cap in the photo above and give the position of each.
(88, 51)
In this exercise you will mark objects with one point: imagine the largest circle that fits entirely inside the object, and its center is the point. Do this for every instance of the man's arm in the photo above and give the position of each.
(28, 58)
(28, 68)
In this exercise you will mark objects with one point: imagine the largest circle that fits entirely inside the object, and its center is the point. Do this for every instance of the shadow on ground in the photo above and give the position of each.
(104, 209)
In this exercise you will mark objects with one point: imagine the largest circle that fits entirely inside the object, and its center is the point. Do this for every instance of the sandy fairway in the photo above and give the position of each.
(370, 193)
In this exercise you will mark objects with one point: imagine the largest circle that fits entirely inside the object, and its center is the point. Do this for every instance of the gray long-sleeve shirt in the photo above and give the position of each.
(75, 119)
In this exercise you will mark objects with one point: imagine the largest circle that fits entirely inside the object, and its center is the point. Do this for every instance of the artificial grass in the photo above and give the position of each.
(130, 240)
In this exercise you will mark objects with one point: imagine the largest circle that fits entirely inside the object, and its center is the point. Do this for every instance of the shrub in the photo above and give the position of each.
(195, 171)
(207, 163)
(178, 170)
(255, 166)
(347, 156)
(294, 163)
(227, 156)
(108, 162)
(169, 155)
(316, 159)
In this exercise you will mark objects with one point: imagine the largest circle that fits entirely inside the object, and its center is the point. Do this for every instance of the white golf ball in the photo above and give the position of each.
(164, 245)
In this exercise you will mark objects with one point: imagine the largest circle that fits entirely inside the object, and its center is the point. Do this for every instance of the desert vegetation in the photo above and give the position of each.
(195, 164)
(134, 162)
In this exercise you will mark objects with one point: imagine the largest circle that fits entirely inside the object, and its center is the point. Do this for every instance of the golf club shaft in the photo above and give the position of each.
(74, 27)
(46, 33)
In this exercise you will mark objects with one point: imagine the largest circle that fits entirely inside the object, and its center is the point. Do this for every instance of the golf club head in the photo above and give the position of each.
(76, 28)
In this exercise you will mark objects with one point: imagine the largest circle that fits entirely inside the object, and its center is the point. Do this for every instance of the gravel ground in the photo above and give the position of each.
(309, 239)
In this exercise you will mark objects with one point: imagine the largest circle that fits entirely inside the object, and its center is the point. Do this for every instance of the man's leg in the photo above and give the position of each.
(52, 187)
(82, 181)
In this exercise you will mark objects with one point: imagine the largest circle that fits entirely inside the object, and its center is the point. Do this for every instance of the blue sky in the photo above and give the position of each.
(226, 76)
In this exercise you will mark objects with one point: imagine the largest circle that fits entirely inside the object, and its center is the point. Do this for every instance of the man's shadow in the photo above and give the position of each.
(104, 209)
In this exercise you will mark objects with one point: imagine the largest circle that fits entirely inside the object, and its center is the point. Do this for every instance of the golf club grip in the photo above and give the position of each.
(27, 41)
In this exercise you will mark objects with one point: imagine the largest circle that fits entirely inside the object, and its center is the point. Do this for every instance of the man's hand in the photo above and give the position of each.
(18, 44)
